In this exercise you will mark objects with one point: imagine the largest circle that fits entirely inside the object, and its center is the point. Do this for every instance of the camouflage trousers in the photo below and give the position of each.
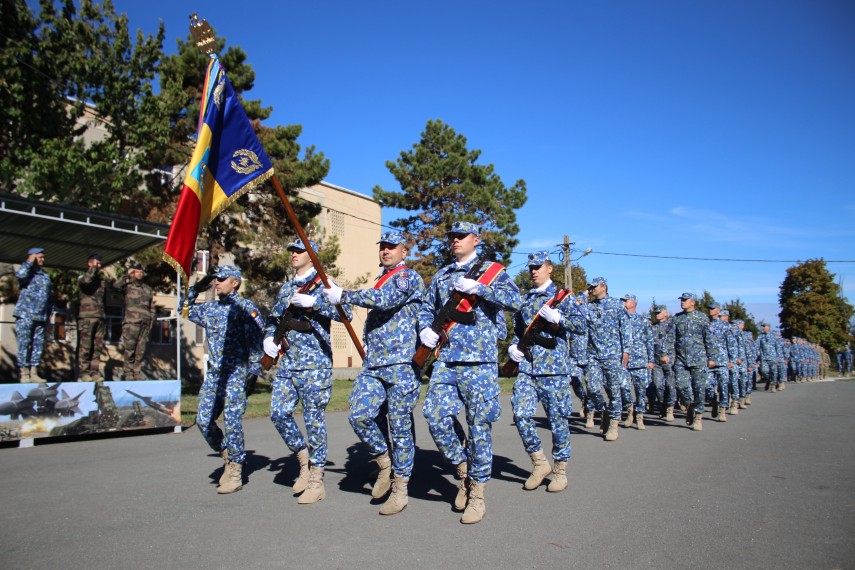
(223, 393)
(313, 389)
(31, 341)
(782, 372)
(663, 386)
(747, 381)
(135, 340)
(398, 386)
(769, 372)
(640, 380)
(587, 389)
(611, 374)
(553, 392)
(90, 343)
(718, 385)
(691, 385)
(473, 385)
(737, 384)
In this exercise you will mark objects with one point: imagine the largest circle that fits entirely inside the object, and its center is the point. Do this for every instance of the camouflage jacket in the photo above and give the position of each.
(579, 341)
(311, 349)
(767, 346)
(641, 350)
(663, 342)
(750, 348)
(390, 333)
(718, 349)
(691, 338)
(93, 294)
(548, 361)
(139, 300)
(476, 342)
(609, 331)
(35, 301)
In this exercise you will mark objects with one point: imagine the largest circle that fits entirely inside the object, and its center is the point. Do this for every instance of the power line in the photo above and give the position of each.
(718, 258)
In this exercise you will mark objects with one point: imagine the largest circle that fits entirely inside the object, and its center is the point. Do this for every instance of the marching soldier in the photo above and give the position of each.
(767, 355)
(139, 318)
(641, 360)
(663, 360)
(691, 343)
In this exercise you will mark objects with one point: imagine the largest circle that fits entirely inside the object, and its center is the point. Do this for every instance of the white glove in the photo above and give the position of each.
(302, 300)
(515, 354)
(333, 294)
(465, 285)
(549, 314)
(428, 337)
(271, 349)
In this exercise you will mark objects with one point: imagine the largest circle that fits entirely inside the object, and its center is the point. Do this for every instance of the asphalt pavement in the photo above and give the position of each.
(774, 487)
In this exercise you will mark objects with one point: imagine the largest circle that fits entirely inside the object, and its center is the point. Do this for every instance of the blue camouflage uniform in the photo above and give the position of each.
(747, 381)
(588, 390)
(767, 356)
(740, 364)
(721, 349)
(691, 340)
(609, 337)
(641, 353)
(466, 369)
(305, 369)
(233, 328)
(783, 357)
(663, 372)
(388, 373)
(32, 311)
(546, 379)
(848, 357)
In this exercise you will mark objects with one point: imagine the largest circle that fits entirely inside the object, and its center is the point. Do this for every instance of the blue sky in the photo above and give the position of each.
(720, 129)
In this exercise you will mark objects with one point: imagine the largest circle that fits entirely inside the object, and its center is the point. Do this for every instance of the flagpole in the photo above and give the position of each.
(316, 262)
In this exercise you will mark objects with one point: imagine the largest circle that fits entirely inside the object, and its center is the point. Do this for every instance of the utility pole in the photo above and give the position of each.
(568, 269)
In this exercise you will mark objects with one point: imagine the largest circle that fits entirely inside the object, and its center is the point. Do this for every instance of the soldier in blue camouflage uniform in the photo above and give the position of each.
(388, 373)
(466, 370)
(847, 354)
(546, 377)
(32, 312)
(593, 400)
(663, 360)
(783, 359)
(798, 360)
(233, 328)
(721, 352)
(691, 342)
(609, 341)
(841, 359)
(641, 360)
(749, 365)
(767, 355)
(737, 396)
(304, 373)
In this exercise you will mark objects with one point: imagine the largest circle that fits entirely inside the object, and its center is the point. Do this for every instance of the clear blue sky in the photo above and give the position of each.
(715, 128)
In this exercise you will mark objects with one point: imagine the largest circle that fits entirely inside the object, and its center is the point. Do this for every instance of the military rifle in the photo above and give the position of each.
(533, 335)
(450, 313)
(289, 322)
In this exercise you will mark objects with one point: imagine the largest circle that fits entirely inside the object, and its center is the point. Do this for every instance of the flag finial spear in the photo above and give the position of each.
(203, 34)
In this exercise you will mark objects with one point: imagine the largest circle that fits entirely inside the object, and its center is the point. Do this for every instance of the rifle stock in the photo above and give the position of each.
(288, 322)
(531, 335)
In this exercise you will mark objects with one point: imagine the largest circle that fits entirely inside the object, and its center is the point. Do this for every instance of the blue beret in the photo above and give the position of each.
(224, 271)
(298, 245)
(395, 238)
(464, 228)
(688, 296)
(33, 250)
(538, 258)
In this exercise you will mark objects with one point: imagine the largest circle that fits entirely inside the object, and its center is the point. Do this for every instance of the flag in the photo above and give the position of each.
(228, 161)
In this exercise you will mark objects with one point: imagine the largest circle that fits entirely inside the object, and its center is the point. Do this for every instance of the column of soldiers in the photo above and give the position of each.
(35, 305)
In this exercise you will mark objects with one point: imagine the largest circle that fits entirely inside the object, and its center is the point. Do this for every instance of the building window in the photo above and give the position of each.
(336, 223)
(162, 331)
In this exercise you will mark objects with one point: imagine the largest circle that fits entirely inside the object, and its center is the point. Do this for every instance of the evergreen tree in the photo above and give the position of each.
(812, 306)
(738, 311)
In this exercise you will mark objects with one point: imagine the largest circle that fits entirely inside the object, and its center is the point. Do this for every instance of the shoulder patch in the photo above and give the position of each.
(402, 282)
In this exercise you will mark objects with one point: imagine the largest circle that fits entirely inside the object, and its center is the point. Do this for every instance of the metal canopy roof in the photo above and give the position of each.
(68, 234)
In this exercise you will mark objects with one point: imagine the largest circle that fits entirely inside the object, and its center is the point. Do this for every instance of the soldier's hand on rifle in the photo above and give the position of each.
(428, 337)
(204, 283)
(549, 314)
(333, 294)
(271, 349)
(303, 301)
(467, 286)
(515, 353)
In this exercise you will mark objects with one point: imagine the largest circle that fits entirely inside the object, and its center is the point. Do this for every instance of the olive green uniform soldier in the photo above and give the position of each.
(91, 322)
(139, 317)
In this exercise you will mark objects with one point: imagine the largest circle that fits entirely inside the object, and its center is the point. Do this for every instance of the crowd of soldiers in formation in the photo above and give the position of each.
(35, 305)
(592, 344)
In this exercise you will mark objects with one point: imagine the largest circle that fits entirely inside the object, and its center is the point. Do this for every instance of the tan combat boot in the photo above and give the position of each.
(559, 477)
(463, 487)
(722, 415)
(303, 478)
(589, 419)
(225, 476)
(612, 431)
(397, 501)
(235, 480)
(35, 376)
(628, 421)
(781, 386)
(669, 414)
(540, 469)
(315, 489)
(25, 375)
(383, 482)
(747, 399)
(741, 403)
(639, 420)
(475, 507)
(774, 388)
(696, 423)
(733, 410)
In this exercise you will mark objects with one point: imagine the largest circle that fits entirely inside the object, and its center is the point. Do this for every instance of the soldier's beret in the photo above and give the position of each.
(597, 281)
(628, 297)
(33, 250)
(685, 296)
(395, 238)
(297, 245)
(464, 228)
(224, 271)
(538, 258)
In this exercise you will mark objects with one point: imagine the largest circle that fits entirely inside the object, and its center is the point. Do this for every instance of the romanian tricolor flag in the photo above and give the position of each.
(227, 162)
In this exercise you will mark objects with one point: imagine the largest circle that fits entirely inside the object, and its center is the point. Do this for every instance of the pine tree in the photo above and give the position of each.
(812, 306)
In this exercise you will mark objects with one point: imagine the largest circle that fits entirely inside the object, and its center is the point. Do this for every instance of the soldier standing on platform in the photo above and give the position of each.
(388, 373)
(32, 313)
(91, 321)
(139, 318)
(233, 328)
(466, 370)
(305, 369)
